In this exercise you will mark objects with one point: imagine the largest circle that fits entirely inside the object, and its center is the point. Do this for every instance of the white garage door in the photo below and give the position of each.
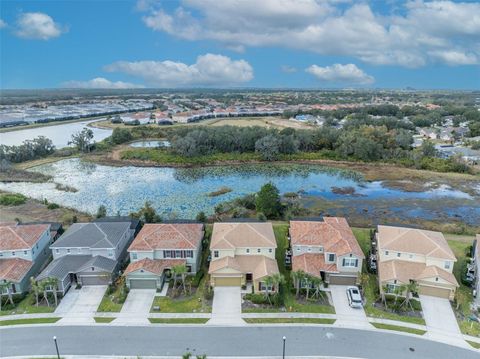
(143, 284)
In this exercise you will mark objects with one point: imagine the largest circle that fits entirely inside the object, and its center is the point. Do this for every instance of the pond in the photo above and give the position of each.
(183, 192)
(150, 144)
(59, 134)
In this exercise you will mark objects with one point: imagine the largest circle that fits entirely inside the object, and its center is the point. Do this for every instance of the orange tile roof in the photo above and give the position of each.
(411, 240)
(20, 236)
(333, 234)
(14, 269)
(168, 236)
(260, 266)
(242, 234)
(155, 266)
(313, 264)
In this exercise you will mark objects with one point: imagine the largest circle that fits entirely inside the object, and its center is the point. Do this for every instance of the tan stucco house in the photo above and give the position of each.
(407, 254)
(242, 253)
(326, 249)
(158, 248)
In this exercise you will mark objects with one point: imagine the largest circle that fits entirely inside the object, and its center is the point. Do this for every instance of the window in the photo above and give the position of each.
(399, 255)
(309, 249)
(1, 254)
(410, 256)
(167, 254)
(178, 254)
(350, 262)
(68, 250)
(264, 287)
(447, 265)
(258, 250)
(110, 253)
(386, 253)
(134, 255)
(331, 257)
(189, 254)
(57, 251)
(215, 254)
(13, 254)
(93, 269)
(247, 250)
(298, 249)
(320, 249)
(270, 250)
(390, 288)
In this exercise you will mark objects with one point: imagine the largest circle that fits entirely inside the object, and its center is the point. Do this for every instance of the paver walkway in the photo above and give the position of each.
(440, 320)
(227, 307)
(79, 305)
(347, 316)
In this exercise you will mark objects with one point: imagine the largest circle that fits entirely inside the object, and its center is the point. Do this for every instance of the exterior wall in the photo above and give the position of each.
(350, 270)
(29, 254)
(138, 255)
(223, 253)
(300, 249)
(251, 251)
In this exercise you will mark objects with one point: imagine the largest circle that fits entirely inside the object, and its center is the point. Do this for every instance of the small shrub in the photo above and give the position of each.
(53, 206)
(12, 199)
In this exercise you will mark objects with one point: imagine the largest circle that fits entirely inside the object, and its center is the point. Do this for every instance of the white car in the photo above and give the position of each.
(354, 297)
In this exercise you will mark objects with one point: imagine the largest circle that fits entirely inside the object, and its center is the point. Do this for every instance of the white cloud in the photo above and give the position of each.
(208, 70)
(100, 83)
(416, 37)
(288, 69)
(37, 25)
(337, 73)
(2, 24)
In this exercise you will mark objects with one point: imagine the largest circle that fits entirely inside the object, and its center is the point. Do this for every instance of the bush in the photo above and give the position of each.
(12, 199)
(121, 135)
(257, 298)
(53, 206)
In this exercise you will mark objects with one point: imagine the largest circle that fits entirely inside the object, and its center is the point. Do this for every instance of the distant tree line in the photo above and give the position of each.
(29, 150)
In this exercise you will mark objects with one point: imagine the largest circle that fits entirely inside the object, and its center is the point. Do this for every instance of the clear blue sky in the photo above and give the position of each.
(267, 43)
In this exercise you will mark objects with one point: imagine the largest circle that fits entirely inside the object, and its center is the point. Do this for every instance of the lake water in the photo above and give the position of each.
(59, 134)
(150, 144)
(184, 192)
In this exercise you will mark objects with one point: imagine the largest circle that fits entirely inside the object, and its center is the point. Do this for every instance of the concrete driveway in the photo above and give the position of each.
(347, 316)
(227, 306)
(137, 306)
(440, 320)
(80, 305)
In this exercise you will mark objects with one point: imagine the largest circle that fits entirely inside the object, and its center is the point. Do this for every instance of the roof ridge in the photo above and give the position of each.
(18, 236)
(104, 234)
(257, 232)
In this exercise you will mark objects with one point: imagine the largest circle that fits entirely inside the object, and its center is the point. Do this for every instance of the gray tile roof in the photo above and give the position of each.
(61, 267)
(92, 235)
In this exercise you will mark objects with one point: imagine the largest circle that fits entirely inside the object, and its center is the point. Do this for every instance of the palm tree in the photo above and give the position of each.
(7, 285)
(410, 288)
(307, 281)
(384, 298)
(181, 270)
(187, 356)
(398, 291)
(364, 281)
(35, 289)
(297, 277)
(203, 356)
(267, 283)
(317, 285)
(53, 284)
(277, 280)
(43, 285)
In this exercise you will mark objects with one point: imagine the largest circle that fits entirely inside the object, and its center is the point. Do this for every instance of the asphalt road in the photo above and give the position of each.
(221, 341)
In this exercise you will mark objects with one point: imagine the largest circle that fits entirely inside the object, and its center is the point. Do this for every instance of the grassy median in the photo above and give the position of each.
(29, 321)
(178, 320)
(399, 328)
(289, 320)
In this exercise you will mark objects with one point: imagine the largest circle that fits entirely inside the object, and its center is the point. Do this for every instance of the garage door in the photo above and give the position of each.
(228, 281)
(143, 284)
(94, 280)
(434, 292)
(342, 280)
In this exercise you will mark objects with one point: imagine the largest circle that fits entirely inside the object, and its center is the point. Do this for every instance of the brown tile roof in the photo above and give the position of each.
(21, 236)
(410, 240)
(155, 266)
(313, 264)
(241, 235)
(168, 236)
(259, 266)
(404, 271)
(333, 234)
(14, 269)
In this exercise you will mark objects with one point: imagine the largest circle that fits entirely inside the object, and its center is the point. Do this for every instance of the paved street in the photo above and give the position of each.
(79, 305)
(440, 319)
(222, 341)
(227, 306)
(347, 316)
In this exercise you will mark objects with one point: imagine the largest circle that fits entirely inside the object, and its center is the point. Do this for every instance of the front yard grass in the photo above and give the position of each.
(103, 319)
(289, 320)
(193, 304)
(178, 320)
(474, 344)
(25, 306)
(399, 328)
(112, 301)
(28, 321)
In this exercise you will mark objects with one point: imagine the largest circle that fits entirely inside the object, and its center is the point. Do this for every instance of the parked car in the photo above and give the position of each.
(372, 263)
(354, 297)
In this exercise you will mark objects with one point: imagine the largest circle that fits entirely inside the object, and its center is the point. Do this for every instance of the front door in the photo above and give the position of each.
(249, 277)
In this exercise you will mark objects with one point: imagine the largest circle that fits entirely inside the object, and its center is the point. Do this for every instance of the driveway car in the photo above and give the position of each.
(354, 297)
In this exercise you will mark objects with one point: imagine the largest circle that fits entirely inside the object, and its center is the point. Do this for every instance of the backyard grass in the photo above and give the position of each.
(25, 307)
(474, 344)
(29, 321)
(103, 319)
(398, 328)
(289, 320)
(178, 320)
(109, 304)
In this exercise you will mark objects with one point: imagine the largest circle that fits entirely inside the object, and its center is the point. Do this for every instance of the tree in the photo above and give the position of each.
(428, 149)
(267, 284)
(307, 283)
(53, 285)
(82, 140)
(35, 289)
(201, 217)
(180, 270)
(410, 288)
(147, 214)
(44, 289)
(317, 283)
(6, 286)
(101, 212)
(297, 277)
(267, 201)
(268, 147)
(121, 135)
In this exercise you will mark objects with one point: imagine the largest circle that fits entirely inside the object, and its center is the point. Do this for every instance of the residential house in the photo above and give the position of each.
(89, 254)
(326, 249)
(160, 247)
(23, 252)
(476, 259)
(242, 253)
(428, 132)
(408, 254)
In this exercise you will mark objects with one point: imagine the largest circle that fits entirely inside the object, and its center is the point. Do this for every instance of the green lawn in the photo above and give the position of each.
(290, 320)
(398, 328)
(109, 302)
(178, 320)
(29, 321)
(474, 344)
(363, 238)
(103, 319)
(193, 304)
(25, 307)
